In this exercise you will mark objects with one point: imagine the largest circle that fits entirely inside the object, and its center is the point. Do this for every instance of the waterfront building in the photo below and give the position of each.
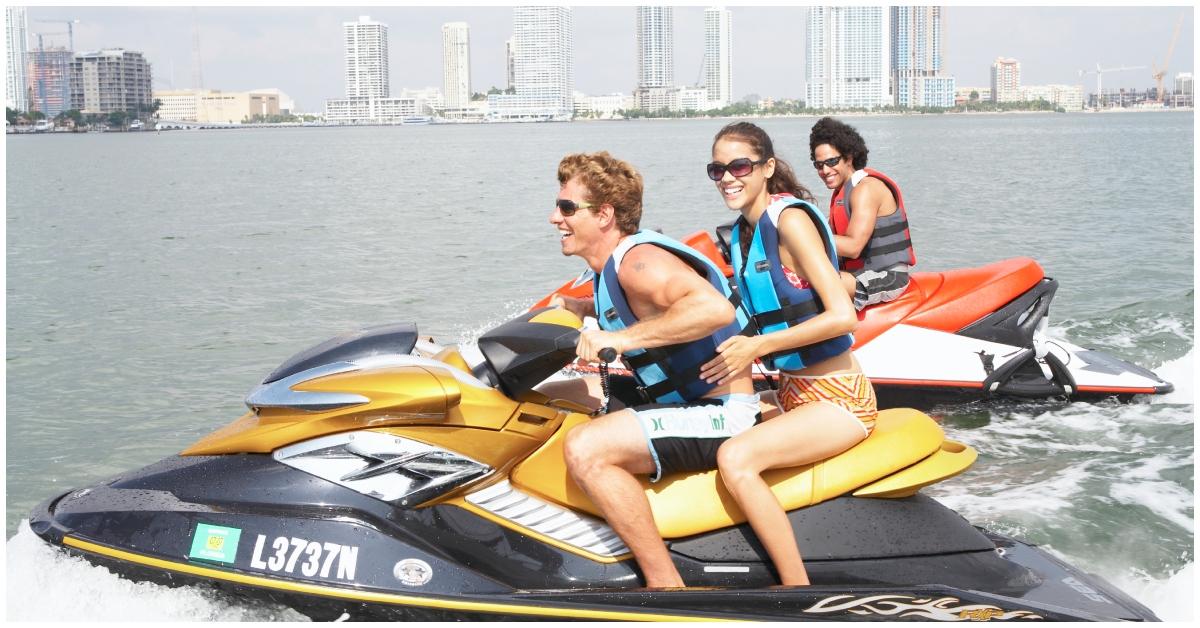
(543, 67)
(1182, 96)
(16, 45)
(364, 110)
(366, 55)
(49, 75)
(718, 57)
(215, 106)
(655, 55)
(1067, 97)
(287, 106)
(847, 57)
(1006, 80)
(428, 98)
(962, 95)
(692, 98)
(368, 90)
(916, 53)
(456, 64)
(110, 80)
(603, 106)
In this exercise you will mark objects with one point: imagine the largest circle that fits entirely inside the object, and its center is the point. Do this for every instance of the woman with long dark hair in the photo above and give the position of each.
(785, 266)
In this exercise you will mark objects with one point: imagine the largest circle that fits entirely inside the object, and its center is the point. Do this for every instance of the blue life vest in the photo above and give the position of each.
(669, 374)
(774, 303)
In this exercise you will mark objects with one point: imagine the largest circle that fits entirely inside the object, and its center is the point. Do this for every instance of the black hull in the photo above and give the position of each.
(907, 558)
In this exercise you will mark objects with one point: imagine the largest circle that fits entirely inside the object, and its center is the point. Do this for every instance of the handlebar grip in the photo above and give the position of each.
(608, 354)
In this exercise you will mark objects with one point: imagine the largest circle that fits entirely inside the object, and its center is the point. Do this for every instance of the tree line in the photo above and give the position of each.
(79, 120)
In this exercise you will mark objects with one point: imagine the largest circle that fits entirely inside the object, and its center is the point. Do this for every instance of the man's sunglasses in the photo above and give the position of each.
(829, 163)
(568, 207)
(738, 168)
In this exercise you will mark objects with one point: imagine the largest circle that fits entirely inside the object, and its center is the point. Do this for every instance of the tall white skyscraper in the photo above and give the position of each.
(366, 59)
(916, 38)
(16, 44)
(456, 64)
(543, 60)
(655, 47)
(718, 56)
(847, 64)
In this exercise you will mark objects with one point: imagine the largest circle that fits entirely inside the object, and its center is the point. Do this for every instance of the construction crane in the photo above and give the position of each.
(1157, 72)
(70, 30)
(1099, 72)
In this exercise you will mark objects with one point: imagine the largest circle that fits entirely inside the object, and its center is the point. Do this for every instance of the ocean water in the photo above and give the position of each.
(153, 279)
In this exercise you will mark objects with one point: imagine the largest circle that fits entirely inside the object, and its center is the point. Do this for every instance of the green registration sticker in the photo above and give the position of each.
(215, 543)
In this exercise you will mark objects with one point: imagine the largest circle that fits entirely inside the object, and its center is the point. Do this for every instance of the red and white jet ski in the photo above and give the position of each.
(961, 335)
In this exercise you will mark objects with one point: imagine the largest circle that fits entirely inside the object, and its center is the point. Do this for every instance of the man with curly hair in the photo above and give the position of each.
(665, 308)
(867, 214)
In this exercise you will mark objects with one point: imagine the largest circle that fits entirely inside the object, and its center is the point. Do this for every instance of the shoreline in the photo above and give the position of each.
(847, 114)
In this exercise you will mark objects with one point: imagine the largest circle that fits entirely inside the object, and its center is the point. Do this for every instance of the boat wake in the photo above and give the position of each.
(45, 584)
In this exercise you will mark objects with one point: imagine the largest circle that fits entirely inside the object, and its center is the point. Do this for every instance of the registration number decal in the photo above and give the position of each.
(289, 554)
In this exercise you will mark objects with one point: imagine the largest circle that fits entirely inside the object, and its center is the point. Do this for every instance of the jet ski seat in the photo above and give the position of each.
(951, 300)
(904, 441)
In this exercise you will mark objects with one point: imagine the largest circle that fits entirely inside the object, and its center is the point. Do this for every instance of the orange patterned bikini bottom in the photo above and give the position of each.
(851, 392)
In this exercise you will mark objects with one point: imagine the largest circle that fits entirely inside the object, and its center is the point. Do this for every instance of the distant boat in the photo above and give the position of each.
(136, 125)
(407, 120)
(41, 126)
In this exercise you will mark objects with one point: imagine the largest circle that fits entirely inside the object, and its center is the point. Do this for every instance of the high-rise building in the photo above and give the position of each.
(509, 60)
(49, 73)
(16, 44)
(110, 80)
(1006, 80)
(916, 52)
(1182, 96)
(718, 56)
(655, 47)
(655, 28)
(543, 66)
(847, 60)
(366, 58)
(368, 92)
(456, 64)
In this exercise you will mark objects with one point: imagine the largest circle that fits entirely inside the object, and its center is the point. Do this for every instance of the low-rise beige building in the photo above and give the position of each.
(195, 105)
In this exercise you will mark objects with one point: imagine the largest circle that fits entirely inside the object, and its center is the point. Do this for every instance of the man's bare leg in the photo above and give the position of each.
(602, 456)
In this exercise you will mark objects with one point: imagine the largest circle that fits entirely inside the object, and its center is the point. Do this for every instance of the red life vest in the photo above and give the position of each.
(889, 244)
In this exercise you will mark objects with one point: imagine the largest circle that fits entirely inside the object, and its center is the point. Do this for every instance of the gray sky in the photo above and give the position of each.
(298, 49)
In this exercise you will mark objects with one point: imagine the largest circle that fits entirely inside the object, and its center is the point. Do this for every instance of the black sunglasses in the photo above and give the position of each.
(738, 168)
(831, 162)
(568, 207)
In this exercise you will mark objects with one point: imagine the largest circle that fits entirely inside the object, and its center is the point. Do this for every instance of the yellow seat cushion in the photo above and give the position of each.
(690, 503)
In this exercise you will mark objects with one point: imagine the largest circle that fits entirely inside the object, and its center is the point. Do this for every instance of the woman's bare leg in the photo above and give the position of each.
(806, 434)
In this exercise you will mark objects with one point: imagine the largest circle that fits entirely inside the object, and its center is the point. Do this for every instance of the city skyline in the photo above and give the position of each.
(298, 49)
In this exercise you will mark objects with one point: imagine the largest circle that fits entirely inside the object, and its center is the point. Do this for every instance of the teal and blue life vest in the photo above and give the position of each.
(774, 303)
(669, 374)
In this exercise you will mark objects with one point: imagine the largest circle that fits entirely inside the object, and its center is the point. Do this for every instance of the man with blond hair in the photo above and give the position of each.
(664, 308)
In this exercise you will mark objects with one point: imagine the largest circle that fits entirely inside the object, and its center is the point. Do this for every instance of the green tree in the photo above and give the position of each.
(117, 119)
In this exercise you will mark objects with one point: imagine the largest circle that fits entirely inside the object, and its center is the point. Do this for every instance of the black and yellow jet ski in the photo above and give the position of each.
(372, 481)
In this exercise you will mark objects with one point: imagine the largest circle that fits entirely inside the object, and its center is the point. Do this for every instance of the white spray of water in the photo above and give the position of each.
(45, 584)
(1180, 372)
